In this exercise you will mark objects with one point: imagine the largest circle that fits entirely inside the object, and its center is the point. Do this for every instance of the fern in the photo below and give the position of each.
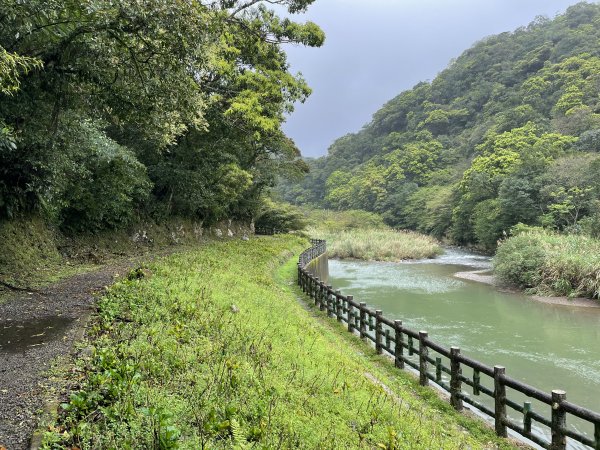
(238, 436)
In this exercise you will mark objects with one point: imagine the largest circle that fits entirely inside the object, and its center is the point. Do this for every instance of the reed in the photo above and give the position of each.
(549, 263)
(378, 244)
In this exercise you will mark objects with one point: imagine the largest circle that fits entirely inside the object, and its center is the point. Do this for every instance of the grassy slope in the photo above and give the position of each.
(213, 350)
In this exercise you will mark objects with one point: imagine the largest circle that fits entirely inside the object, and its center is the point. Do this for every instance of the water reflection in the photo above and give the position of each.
(16, 337)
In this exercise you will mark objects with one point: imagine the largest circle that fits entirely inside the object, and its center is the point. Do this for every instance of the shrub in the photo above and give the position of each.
(519, 260)
(551, 263)
(280, 216)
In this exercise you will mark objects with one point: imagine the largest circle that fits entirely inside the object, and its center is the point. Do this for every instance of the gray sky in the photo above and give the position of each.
(376, 49)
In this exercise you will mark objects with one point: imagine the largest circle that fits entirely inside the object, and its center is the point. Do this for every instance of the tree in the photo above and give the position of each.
(152, 75)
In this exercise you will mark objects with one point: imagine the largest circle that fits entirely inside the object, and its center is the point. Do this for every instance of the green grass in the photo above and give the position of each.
(551, 264)
(378, 245)
(344, 220)
(213, 350)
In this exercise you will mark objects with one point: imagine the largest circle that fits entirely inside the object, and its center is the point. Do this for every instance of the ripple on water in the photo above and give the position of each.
(394, 276)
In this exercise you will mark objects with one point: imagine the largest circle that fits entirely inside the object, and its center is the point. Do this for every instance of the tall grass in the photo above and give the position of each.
(213, 350)
(378, 245)
(550, 263)
(364, 235)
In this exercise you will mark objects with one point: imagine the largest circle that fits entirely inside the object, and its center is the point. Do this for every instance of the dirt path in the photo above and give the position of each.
(35, 329)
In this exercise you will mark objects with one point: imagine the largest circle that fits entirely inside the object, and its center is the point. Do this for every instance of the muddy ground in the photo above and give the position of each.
(36, 328)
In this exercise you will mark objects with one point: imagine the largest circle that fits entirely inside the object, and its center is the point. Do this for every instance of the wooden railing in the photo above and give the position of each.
(432, 361)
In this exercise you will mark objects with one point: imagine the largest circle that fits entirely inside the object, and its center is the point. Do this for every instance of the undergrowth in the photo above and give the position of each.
(207, 349)
(34, 253)
(548, 263)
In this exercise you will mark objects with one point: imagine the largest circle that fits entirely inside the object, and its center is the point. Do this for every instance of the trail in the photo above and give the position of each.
(36, 327)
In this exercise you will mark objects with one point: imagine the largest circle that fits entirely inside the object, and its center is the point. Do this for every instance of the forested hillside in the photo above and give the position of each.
(114, 110)
(508, 133)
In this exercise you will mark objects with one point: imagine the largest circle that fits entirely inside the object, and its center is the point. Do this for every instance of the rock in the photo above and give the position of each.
(245, 237)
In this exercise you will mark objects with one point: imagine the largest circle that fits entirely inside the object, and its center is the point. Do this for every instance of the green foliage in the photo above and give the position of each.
(488, 129)
(429, 210)
(550, 263)
(334, 221)
(187, 100)
(519, 259)
(219, 358)
(11, 68)
(487, 223)
(103, 182)
(282, 217)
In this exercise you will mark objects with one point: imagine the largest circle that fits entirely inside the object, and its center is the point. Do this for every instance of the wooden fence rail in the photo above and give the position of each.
(390, 336)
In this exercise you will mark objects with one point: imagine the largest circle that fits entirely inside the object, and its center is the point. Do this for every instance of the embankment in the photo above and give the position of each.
(32, 252)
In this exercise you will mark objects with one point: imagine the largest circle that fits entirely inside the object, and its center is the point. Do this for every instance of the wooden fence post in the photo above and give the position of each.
(378, 331)
(559, 421)
(527, 417)
(304, 282)
(500, 401)
(333, 304)
(350, 314)
(388, 340)
(339, 308)
(319, 292)
(363, 326)
(423, 353)
(455, 381)
(399, 346)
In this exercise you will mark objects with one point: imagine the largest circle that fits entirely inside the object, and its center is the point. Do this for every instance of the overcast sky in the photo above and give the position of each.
(376, 49)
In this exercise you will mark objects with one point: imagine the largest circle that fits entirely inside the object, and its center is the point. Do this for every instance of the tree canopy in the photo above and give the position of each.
(113, 108)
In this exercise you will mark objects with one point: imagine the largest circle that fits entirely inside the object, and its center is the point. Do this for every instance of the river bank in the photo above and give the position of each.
(482, 276)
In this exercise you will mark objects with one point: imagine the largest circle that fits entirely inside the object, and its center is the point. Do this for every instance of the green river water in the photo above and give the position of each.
(546, 346)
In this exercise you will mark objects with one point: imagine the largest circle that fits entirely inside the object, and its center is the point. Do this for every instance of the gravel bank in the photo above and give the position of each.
(483, 276)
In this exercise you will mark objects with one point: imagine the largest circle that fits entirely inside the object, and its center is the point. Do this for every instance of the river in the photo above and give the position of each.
(547, 346)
